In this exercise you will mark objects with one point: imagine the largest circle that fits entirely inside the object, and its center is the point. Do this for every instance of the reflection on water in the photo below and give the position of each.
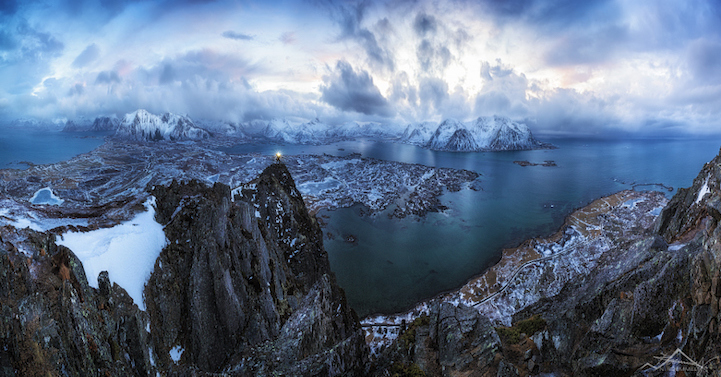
(395, 263)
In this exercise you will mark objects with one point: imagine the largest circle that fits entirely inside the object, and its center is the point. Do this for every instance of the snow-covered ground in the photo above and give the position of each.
(127, 251)
(21, 216)
(119, 171)
(98, 195)
(539, 267)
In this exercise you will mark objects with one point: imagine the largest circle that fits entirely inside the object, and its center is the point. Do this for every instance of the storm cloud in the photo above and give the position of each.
(592, 67)
(349, 90)
(349, 17)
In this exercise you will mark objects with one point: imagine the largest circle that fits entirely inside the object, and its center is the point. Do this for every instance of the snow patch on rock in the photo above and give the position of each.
(127, 251)
(703, 191)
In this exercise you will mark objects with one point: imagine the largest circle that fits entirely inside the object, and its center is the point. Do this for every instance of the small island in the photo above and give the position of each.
(528, 163)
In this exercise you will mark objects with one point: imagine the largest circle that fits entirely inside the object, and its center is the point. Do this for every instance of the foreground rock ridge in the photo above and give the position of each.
(624, 288)
(628, 286)
(243, 288)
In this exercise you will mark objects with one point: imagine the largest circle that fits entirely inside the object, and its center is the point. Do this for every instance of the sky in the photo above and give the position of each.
(591, 67)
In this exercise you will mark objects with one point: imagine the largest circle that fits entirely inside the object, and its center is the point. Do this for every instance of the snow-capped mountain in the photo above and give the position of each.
(225, 128)
(101, 123)
(281, 130)
(483, 134)
(144, 126)
(73, 126)
(109, 123)
(317, 132)
(418, 133)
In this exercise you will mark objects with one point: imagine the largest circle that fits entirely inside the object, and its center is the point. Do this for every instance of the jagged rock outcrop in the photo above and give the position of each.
(244, 285)
(657, 297)
(450, 341)
(652, 293)
(53, 323)
(243, 288)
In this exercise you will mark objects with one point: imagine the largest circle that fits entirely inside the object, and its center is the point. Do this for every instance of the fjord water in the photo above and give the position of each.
(395, 263)
(43, 146)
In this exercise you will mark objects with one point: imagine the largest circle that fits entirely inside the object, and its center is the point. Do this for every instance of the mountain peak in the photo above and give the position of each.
(495, 133)
(142, 125)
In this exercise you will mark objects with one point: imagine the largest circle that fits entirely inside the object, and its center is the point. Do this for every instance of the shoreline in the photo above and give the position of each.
(578, 234)
(503, 251)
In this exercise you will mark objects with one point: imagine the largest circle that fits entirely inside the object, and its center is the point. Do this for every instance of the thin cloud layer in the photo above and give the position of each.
(602, 67)
(237, 36)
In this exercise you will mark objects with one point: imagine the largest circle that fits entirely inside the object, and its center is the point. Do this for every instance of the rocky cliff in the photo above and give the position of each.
(246, 287)
(644, 300)
(627, 286)
(243, 288)
(53, 323)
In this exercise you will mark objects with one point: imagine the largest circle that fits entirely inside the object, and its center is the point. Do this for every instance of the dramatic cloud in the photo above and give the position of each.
(349, 17)
(424, 24)
(594, 67)
(349, 90)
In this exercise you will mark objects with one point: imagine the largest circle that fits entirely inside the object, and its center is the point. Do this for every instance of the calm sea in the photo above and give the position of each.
(43, 147)
(395, 263)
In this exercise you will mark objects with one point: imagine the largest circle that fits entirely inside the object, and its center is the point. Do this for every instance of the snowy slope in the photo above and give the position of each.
(317, 132)
(76, 125)
(144, 126)
(483, 134)
(418, 133)
(110, 123)
(225, 128)
(442, 136)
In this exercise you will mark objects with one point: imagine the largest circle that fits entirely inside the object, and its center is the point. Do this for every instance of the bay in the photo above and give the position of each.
(395, 263)
(40, 146)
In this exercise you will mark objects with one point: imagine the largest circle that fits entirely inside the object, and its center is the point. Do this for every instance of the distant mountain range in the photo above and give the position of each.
(482, 134)
(144, 126)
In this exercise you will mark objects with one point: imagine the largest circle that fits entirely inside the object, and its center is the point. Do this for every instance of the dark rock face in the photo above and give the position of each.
(450, 341)
(243, 288)
(461, 141)
(54, 323)
(644, 300)
(245, 285)
(105, 124)
(659, 296)
(692, 205)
